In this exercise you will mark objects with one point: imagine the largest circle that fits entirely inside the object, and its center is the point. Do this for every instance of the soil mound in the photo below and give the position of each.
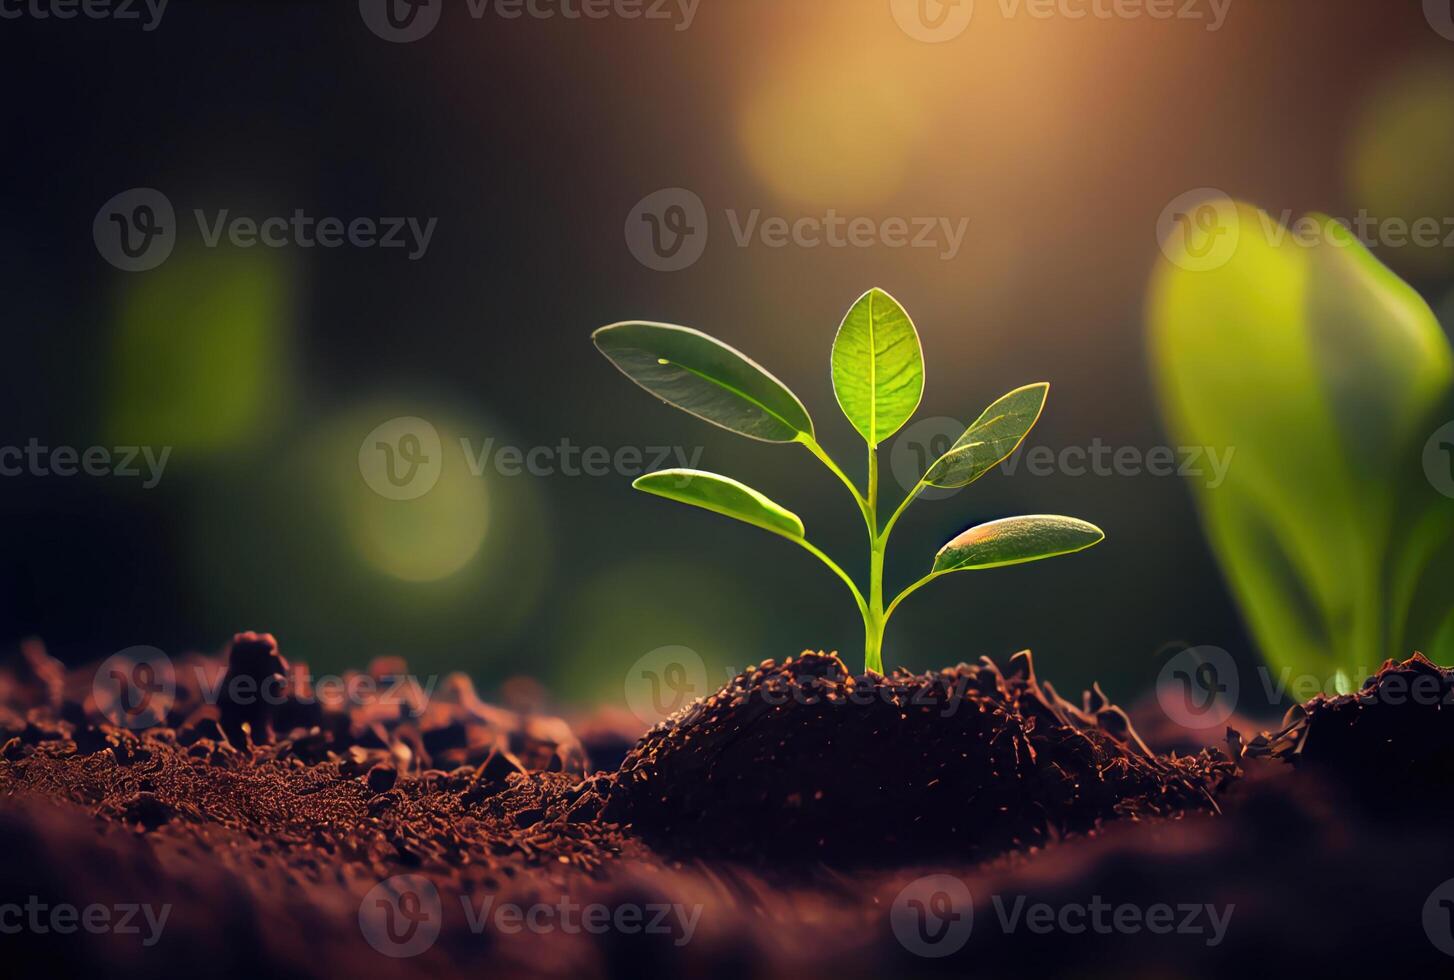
(1390, 744)
(805, 761)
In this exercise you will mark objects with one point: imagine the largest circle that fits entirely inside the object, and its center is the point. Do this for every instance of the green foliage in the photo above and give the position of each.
(1327, 375)
(707, 378)
(722, 495)
(1014, 541)
(991, 439)
(878, 366)
(878, 378)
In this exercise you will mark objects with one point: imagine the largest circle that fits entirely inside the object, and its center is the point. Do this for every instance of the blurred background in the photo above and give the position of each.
(533, 144)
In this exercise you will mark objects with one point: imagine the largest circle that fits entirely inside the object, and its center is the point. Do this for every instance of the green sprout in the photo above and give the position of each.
(878, 378)
(1332, 379)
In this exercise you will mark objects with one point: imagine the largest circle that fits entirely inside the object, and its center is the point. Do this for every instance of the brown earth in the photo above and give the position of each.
(786, 826)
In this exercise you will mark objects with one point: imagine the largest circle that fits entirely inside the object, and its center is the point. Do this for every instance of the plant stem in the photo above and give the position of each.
(847, 579)
(874, 621)
(827, 461)
(905, 594)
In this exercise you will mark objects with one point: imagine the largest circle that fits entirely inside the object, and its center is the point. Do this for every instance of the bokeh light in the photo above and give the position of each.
(202, 350)
(821, 129)
(1401, 154)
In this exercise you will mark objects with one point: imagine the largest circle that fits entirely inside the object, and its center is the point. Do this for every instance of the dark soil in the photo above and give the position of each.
(791, 810)
(806, 762)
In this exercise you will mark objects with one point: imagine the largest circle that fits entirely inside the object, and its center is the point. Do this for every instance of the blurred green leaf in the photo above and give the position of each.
(201, 360)
(1326, 374)
(996, 434)
(1016, 540)
(701, 375)
(878, 366)
(722, 495)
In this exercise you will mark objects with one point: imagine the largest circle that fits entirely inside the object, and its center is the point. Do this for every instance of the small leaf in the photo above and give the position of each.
(1016, 540)
(991, 439)
(705, 377)
(878, 366)
(723, 496)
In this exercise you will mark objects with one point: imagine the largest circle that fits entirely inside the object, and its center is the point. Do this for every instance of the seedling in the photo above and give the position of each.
(1333, 381)
(878, 378)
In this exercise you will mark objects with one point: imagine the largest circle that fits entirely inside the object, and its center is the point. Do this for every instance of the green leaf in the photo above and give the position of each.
(878, 366)
(1015, 540)
(1327, 374)
(996, 434)
(705, 377)
(722, 495)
